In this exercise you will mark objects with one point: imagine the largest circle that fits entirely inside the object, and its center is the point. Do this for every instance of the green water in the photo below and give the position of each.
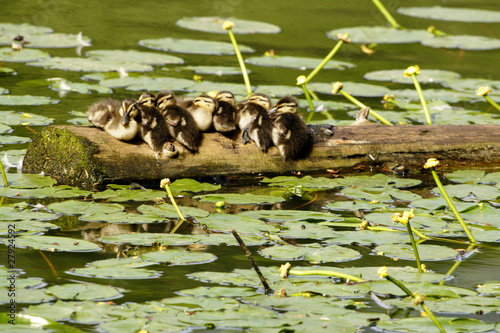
(121, 24)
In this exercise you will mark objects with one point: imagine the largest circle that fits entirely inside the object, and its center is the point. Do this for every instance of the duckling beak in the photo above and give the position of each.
(273, 110)
(125, 118)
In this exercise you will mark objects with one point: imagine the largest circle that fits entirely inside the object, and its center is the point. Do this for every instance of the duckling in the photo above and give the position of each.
(290, 133)
(114, 118)
(202, 109)
(181, 124)
(224, 118)
(154, 130)
(254, 121)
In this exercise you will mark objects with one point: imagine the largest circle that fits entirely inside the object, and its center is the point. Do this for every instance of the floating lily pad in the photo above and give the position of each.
(140, 57)
(307, 182)
(379, 194)
(301, 229)
(179, 257)
(470, 85)
(185, 186)
(121, 217)
(10, 213)
(452, 14)
(26, 55)
(52, 243)
(480, 191)
(204, 86)
(311, 252)
(81, 88)
(214, 24)
(90, 65)
(463, 42)
(425, 76)
(14, 118)
(243, 224)
(26, 100)
(436, 203)
(54, 40)
(25, 295)
(29, 180)
(118, 268)
(167, 211)
(218, 291)
(139, 83)
(378, 180)
(195, 46)
(147, 239)
(240, 199)
(277, 91)
(490, 288)
(62, 191)
(84, 291)
(435, 94)
(23, 29)
(482, 213)
(291, 215)
(424, 324)
(380, 35)
(74, 207)
(349, 205)
(12, 139)
(353, 88)
(123, 194)
(426, 252)
(216, 70)
(474, 177)
(368, 237)
(302, 63)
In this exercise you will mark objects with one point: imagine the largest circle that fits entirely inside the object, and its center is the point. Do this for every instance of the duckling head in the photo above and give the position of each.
(147, 99)
(128, 110)
(206, 102)
(164, 99)
(260, 99)
(287, 104)
(226, 96)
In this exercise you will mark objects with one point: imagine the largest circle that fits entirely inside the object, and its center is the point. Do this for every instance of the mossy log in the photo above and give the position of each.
(84, 156)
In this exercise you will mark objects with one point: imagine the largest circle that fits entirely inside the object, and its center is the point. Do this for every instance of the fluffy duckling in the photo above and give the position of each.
(114, 118)
(181, 124)
(224, 118)
(290, 133)
(254, 121)
(202, 109)
(154, 129)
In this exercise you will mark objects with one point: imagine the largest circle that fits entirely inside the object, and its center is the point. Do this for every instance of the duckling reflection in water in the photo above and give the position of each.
(202, 109)
(154, 130)
(254, 121)
(181, 124)
(224, 118)
(112, 116)
(290, 133)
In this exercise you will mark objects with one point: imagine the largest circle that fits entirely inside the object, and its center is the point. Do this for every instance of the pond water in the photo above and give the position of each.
(120, 25)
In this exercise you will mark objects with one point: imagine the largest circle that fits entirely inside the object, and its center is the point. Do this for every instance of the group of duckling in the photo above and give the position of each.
(164, 118)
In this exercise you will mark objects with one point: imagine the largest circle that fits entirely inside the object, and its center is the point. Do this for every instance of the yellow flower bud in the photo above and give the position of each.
(383, 272)
(344, 37)
(227, 25)
(164, 182)
(284, 269)
(336, 87)
(301, 79)
(412, 70)
(418, 299)
(431, 163)
(483, 91)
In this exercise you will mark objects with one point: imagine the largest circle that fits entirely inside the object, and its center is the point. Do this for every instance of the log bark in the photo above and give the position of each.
(84, 156)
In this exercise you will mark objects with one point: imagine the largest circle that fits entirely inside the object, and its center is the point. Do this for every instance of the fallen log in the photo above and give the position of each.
(84, 156)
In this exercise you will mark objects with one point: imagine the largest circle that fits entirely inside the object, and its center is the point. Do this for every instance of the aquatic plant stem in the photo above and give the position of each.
(164, 184)
(325, 272)
(452, 205)
(428, 119)
(309, 102)
(456, 264)
(386, 14)
(361, 105)
(414, 246)
(227, 26)
(492, 102)
(4, 175)
(342, 39)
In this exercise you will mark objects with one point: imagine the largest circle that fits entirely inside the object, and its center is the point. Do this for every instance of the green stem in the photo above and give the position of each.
(386, 14)
(327, 59)
(452, 206)
(177, 225)
(414, 246)
(309, 102)
(241, 62)
(428, 119)
(4, 175)
(325, 272)
(169, 192)
(455, 265)
(400, 285)
(492, 102)
(361, 105)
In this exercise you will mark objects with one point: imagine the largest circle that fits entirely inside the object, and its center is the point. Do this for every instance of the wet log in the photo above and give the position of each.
(84, 156)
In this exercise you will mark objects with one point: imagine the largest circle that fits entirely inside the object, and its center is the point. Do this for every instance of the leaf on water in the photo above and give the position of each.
(61, 191)
(277, 91)
(378, 194)
(291, 215)
(140, 57)
(84, 292)
(214, 24)
(452, 14)
(120, 217)
(310, 252)
(90, 65)
(463, 42)
(126, 194)
(187, 185)
(53, 243)
(435, 94)
(179, 257)
(470, 85)
(307, 182)
(218, 291)
(425, 76)
(81, 88)
(378, 180)
(28, 180)
(301, 229)
(349, 205)
(75, 207)
(26, 55)
(14, 118)
(426, 252)
(22, 29)
(422, 324)
(243, 224)
(240, 199)
(195, 46)
(13, 213)
(167, 211)
(138, 83)
(26, 100)
(216, 70)
(380, 35)
(147, 239)
(490, 288)
(301, 63)
(480, 191)
(12, 139)
(368, 237)
(54, 40)
(353, 88)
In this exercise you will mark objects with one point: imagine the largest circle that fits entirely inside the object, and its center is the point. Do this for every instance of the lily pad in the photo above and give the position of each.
(214, 24)
(426, 252)
(23, 29)
(26, 100)
(463, 42)
(84, 291)
(423, 324)
(74, 207)
(379, 194)
(140, 57)
(243, 224)
(195, 46)
(490, 288)
(425, 76)
(139, 83)
(54, 40)
(311, 252)
(179, 257)
(380, 35)
(185, 186)
(167, 211)
(240, 199)
(53, 243)
(90, 65)
(307, 182)
(305, 230)
(353, 88)
(447, 95)
(125, 193)
(118, 268)
(11, 213)
(29, 180)
(81, 88)
(301, 63)
(480, 191)
(14, 118)
(470, 85)
(378, 180)
(216, 70)
(291, 215)
(12, 139)
(452, 14)
(120, 217)
(26, 55)
(62, 191)
(147, 239)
